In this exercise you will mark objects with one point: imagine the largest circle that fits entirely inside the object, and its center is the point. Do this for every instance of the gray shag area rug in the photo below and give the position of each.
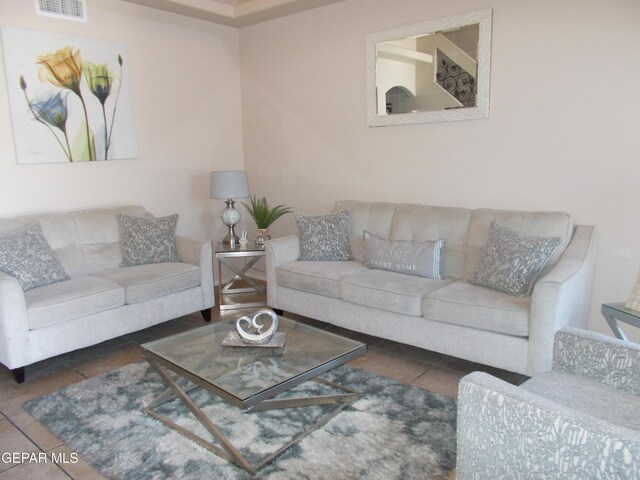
(393, 431)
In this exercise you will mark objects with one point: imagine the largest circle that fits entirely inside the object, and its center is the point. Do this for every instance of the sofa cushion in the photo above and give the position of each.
(27, 256)
(413, 258)
(513, 260)
(543, 224)
(324, 237)
(77, 297)
(80, 259)
(374, 217)
(146, 282)
(316, 277)
(391, 291)
(468, 305)
(588, 396)
(148, 240)
(422, 223)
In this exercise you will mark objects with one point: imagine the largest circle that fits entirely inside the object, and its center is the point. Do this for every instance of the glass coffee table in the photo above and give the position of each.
(249, 378)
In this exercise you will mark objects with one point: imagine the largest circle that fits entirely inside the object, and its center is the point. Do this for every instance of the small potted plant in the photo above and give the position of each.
(264, 216)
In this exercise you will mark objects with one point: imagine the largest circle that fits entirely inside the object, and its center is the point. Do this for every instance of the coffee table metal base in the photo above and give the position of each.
(228, 451)
(612, 312)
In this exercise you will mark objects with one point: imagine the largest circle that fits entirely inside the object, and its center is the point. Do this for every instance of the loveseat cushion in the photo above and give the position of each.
(391, 291)
(77, 297)
(588, 396)
(78, 259)
(76, 227)
(468, 305)
(146, 282)
(317, 277)
(78, 237)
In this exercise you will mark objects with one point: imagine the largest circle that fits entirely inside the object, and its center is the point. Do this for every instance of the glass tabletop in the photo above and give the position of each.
(621, 307)
(244, 372)
(250, 247)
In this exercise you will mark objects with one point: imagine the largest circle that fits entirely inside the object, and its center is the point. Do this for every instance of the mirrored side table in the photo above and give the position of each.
(225, 255)
(613, 312)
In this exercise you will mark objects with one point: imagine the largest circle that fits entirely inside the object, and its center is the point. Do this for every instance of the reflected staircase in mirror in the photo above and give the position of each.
(456, 68)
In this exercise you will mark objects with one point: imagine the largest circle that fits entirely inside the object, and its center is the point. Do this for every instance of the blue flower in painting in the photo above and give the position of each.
(53, 110)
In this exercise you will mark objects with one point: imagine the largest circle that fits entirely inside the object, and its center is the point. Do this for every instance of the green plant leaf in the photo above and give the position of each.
(262, 214)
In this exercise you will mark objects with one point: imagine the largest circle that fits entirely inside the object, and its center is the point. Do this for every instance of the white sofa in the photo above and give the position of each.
(101, 300)
(451, 316)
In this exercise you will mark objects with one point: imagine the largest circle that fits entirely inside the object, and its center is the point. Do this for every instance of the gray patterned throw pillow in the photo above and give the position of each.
(513, 260)
(27, 256)
(148, 240)
(324, 237)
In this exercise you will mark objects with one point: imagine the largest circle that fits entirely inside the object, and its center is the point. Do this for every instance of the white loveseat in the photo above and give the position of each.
(101, 300)
(451, 316)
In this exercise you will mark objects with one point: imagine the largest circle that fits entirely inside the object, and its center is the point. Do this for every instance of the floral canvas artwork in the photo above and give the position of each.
(69, 97)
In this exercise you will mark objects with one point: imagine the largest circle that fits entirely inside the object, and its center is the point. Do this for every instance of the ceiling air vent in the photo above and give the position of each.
(68, 9)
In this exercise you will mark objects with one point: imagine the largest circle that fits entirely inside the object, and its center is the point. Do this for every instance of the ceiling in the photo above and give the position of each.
(232, 2)
(236, 13)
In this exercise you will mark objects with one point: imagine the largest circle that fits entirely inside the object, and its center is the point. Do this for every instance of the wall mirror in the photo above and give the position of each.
(434, 71)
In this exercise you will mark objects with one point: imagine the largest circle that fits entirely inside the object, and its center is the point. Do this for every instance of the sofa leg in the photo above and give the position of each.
(206, 314)
(18, 374)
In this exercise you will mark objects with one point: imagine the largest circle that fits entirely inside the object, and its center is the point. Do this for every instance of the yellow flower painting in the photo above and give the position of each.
(69, 103)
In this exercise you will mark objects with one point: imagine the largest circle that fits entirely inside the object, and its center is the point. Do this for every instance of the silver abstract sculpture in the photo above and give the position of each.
(259, 337)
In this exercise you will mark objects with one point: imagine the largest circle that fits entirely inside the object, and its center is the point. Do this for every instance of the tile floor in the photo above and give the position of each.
(19, 432)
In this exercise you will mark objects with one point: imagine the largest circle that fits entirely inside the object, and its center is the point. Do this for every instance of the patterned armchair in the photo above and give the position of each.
(579, 421)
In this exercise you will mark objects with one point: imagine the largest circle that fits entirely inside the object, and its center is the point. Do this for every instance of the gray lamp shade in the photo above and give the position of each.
(229, 184)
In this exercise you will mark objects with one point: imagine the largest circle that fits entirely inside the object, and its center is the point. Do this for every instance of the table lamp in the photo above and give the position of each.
(230, 184)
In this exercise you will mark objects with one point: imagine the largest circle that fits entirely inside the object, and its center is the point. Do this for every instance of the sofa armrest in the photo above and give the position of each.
(561, 298)
(200, 253)
(506, 432)
(279, 251)
(14, 327)
(607, 360)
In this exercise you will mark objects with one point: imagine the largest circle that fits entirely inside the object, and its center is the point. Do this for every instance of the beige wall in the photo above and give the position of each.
(563, 132)
(185, 86)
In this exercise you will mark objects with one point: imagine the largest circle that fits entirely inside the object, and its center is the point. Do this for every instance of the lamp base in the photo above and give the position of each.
(231, 239)
(230, 217)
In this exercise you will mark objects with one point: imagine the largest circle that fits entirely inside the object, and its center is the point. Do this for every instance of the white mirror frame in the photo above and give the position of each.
(481, 110)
